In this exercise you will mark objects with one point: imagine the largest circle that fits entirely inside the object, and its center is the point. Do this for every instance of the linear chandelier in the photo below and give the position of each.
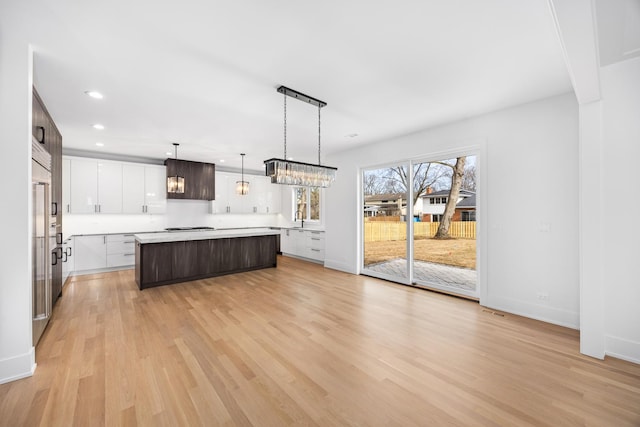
(283, 171)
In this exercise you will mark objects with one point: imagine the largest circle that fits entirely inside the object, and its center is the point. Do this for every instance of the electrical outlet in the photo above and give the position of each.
(544, 296)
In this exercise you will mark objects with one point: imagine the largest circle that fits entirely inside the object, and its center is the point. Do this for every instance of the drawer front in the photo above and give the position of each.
(316, 242)
(315, 253)
(121, 260)
(119, 238)
(124, 247)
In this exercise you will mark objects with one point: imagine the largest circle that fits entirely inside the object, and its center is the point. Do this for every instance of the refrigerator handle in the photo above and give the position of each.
(41, 140)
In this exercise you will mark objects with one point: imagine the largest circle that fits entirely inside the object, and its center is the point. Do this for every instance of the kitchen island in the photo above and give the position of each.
(173, 257)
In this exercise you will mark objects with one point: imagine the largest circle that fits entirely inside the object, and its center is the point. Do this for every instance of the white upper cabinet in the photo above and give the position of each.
(263, 196)
(133, 189)
(155, 189)
(102, 186)
(109, 187)
(83, 186)
(95, 186)
(143, 189)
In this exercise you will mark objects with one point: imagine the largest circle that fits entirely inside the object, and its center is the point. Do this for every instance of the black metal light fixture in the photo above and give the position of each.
(242, 187)
(175, 184)
(283, 171)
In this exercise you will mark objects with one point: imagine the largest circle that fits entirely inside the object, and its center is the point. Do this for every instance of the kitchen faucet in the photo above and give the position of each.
(299, 212)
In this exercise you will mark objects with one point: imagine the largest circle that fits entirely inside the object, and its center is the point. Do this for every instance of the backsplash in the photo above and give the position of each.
(180, 213)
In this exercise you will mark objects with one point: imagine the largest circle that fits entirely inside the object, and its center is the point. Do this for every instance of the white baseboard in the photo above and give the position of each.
(18, 367)
(621, 348)
(340, 266)
(556, 316)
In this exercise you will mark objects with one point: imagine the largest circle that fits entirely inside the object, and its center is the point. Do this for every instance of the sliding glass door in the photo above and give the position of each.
(434, 203)
(384, 226)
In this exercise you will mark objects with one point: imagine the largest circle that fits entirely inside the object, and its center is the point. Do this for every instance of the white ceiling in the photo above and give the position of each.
(204, 73)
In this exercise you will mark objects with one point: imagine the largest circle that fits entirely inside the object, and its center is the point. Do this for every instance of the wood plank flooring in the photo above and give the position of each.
(304, 345)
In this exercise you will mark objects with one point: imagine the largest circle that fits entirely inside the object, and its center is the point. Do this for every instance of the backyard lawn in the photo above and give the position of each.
(456, 252)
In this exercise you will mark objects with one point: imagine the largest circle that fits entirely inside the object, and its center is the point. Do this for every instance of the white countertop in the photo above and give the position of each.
(181, 236)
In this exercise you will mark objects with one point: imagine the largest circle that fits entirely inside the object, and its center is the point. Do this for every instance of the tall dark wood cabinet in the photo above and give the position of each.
(45, 131)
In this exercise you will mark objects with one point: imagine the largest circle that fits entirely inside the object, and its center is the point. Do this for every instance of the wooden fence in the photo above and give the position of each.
(377, 231)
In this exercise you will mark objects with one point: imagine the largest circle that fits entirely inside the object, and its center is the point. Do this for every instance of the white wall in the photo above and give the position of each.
(621, 154)
(531, 184)
(17, 357)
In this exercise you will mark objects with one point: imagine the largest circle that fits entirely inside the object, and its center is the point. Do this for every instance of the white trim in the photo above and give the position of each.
(624, 349)
(556, 316)
(339, 266)
(476, 148)
(18, 367)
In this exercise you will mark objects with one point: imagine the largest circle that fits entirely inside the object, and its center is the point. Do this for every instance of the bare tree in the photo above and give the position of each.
(425, 175)
(452, 201)
(372, 183)
(469, 178)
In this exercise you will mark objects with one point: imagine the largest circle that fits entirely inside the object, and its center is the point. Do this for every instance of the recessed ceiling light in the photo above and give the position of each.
(290, 158)
(98, 126)
(99, 144)
(221, 160)
(351, 135)
(94, 94)
(169, 153)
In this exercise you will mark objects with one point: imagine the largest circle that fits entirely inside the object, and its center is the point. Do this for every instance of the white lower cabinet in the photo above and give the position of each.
(303, 243)
(121, 250)
(90, 252)
(102, 251)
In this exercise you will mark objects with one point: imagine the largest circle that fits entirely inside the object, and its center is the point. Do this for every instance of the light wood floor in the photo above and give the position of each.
(303, 345)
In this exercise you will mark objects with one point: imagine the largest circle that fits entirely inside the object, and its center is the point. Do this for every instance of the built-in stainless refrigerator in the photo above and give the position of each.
(44, 233)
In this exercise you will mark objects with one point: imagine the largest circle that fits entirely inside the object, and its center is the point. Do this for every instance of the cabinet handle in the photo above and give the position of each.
(315, 238)
(128, 235)
(68, 208)
(54, 257)
(255, 209)
(66, 257)
(267, 209)
(129, 254)
(41, 140)
(95, 208)
(99, 208)
(54, 208)
(58, 238)
(316, 250)
(59, 249)
(68, 251)
(104, 239)
(129, 241)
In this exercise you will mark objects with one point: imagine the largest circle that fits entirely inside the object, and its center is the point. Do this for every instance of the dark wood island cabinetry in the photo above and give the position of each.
(165, 258)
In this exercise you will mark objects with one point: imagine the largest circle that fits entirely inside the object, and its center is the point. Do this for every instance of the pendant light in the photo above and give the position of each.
(283, 171)
(175, 184)
(242, 187)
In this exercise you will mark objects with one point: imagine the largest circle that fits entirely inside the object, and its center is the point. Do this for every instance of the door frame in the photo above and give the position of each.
(477, 148)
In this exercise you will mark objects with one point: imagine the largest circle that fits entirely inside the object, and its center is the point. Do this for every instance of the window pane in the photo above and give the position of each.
(315, 203)
(301, 203)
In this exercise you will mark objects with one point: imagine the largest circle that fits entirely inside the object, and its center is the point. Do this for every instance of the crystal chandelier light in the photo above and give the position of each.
(283, 171)
(175, 184)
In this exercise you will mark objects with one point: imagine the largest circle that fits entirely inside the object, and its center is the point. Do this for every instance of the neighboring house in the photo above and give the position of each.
(389, 204)
(433, 204)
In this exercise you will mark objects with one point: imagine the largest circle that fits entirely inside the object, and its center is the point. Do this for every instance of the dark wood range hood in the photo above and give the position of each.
(199, 179)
